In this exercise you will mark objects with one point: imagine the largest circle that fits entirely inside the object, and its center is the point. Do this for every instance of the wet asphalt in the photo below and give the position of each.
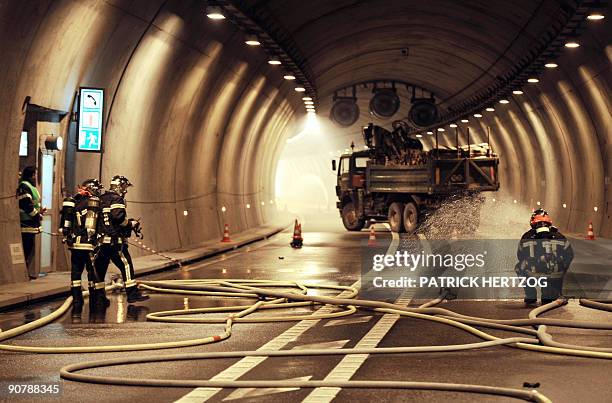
(330, 255)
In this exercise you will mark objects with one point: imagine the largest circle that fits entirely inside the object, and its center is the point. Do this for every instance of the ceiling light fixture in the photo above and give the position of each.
(572, 44)
(440, 129)
(504, 101)
(214, 13)
(464, 121)
(490, 109)
(551, 65)
(289, 77)
(306, 99)
(517, 92)
(477, 115)
(596, 16)
(430, 132)
(274, 61)
(300, 89)
(533, 80)
(453, 125)
(252, 40)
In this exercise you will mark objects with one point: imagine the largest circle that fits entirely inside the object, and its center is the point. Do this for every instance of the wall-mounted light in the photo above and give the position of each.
(514, 201)
(595, 209)
(252, 40)
(214, 13)
(52, 143)
(274, 61)
(223, 209)
(564, 205)
(185, 213)
(263, 203)
(248, 205)
(533, 80)
(538, 203)
(289, 77)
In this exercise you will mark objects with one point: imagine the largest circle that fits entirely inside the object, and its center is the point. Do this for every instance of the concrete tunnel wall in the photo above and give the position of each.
(194, 118)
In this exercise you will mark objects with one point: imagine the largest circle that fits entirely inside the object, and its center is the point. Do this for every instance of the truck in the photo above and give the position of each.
(395, 180)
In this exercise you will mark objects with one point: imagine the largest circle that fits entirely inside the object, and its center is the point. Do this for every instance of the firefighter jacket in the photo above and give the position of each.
(544, 251)
(115, 227)
(29, 207)
(82, 233)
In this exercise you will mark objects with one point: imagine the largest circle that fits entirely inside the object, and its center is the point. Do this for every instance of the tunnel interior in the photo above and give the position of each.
(211, 133)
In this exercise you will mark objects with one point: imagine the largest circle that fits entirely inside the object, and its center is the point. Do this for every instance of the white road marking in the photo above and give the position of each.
(243, 366)
(349, 365)
(340, 322)
(327, 344)
(247, 363)
(253, 392)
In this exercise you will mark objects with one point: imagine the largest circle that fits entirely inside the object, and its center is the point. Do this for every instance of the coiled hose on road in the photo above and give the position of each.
(269, 297)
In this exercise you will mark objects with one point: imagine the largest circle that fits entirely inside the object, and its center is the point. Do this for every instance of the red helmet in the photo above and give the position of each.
(540, 218)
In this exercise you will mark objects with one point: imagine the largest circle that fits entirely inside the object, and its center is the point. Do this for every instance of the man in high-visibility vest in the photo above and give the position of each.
(30, 216)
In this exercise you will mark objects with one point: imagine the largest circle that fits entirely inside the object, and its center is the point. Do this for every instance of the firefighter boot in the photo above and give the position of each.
(77, 299)
(134, 295)
(97, 298)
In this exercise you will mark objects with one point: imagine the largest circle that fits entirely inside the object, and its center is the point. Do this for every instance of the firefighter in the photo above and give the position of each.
(30, 216)
(116, 229)
(543, 252)
(79, 226)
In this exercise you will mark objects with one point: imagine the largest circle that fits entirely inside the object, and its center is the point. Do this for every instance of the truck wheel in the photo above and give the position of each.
(411, 217)
(396, 211)
(350, 219)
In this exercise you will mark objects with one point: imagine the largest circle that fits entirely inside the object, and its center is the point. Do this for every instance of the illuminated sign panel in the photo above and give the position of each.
(91, 110)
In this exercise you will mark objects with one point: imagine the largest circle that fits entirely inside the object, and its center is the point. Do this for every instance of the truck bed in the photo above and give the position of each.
(438, 176)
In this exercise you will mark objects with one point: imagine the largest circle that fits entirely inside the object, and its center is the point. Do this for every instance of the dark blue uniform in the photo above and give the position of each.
(544, 251)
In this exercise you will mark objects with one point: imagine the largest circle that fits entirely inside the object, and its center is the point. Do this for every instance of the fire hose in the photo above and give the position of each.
(269, 297)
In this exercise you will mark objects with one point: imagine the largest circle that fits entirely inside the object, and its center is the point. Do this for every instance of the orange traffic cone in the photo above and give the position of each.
(372, 238)
(226, 237)
(590, 233)
(297, 240)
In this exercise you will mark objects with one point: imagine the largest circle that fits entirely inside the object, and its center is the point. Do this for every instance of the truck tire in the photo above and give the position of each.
(411, 217)
(396, 217)
(350, 220)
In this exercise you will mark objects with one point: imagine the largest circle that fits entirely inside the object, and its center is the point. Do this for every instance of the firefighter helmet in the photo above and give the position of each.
(120, 184)
(92, 186)
(540, 218)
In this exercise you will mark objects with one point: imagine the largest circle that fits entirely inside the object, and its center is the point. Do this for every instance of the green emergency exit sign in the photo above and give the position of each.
(91, 110)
